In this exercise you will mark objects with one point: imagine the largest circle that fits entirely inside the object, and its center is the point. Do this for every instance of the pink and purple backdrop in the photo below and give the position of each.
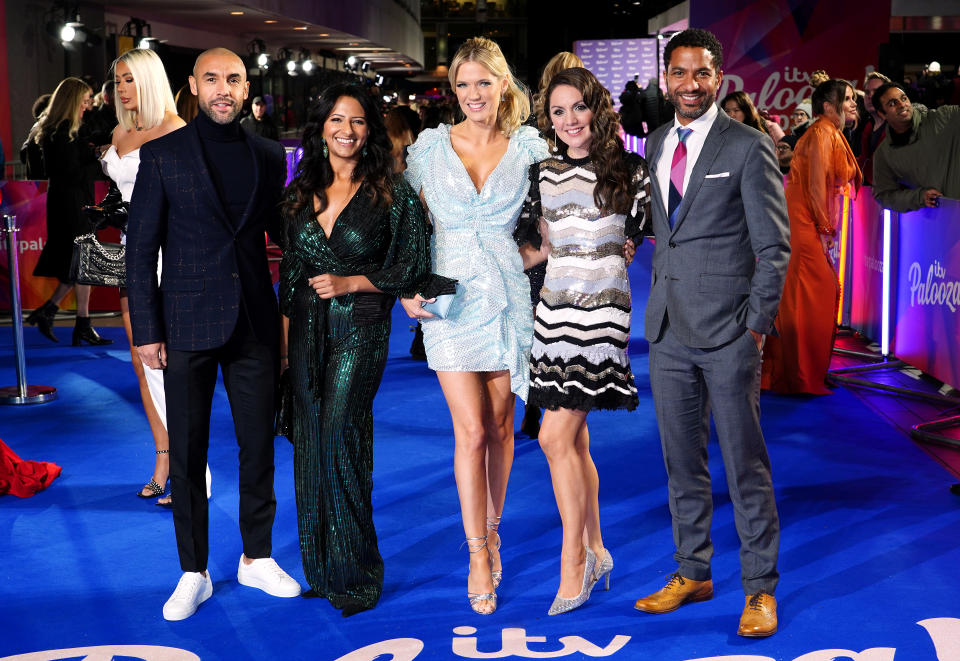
(865, 284)
(771, 46)
(928, 290)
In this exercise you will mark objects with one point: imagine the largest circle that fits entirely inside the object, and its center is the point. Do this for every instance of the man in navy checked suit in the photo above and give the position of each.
(204, 195)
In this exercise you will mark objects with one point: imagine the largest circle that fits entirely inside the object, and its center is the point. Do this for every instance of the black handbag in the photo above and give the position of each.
(283, 421)
(96, 263)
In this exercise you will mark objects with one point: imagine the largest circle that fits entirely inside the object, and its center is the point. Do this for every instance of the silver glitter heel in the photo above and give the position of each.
(493, 523)
(562, 605)
(603, 568)
(475, 545)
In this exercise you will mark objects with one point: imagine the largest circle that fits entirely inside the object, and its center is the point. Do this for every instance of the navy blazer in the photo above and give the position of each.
(720, 269)
(210, 266)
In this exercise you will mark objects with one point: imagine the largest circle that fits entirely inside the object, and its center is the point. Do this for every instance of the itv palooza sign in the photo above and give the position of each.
(928, 296)
(616, 61)
(771, 46)
(944, 634)
(515, 643)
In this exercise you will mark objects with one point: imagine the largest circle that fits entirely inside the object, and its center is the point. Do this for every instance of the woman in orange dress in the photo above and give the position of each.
(823, 171)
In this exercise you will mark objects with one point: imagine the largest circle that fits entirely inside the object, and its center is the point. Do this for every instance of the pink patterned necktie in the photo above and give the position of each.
(677, 169)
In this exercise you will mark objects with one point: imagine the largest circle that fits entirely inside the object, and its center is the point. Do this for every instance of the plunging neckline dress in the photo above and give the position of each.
(489, 326)
(337, 351)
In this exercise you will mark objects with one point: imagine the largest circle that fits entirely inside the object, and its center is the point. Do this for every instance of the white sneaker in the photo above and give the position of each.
(265, 574)
(193, 589)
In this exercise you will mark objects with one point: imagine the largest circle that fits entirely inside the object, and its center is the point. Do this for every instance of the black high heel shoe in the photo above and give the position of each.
(84, 332)
(43, 318)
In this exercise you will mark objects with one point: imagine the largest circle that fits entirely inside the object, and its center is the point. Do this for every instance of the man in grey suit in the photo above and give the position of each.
(720, 220)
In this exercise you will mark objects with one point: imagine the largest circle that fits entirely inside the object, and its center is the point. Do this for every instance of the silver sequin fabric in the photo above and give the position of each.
(489, 327)
(582, 329)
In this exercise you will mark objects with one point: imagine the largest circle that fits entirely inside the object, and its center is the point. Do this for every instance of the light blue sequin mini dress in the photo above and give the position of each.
(489, 327)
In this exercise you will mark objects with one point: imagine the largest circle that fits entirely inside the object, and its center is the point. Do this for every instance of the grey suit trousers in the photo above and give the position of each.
(687, 383)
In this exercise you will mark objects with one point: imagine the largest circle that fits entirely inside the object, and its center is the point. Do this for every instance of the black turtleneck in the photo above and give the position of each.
(230, 163)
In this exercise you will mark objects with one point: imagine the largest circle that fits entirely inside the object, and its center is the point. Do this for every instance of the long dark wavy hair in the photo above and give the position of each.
(750, 115)
(615, 188)
(314, 174)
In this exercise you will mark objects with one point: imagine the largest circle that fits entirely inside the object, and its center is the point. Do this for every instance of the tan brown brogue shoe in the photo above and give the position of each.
(677, 592)
(759, 618)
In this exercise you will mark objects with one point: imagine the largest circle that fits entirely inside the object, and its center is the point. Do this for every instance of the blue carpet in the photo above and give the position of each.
(870, 542)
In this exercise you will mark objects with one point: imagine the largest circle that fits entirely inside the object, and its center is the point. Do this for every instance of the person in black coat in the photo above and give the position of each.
(259, 121)
(204, 195)
(72, 167)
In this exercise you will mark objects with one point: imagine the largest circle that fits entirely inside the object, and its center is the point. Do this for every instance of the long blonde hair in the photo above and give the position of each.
(65, 106)
(515, 106)
(562, 60)
(154, 97)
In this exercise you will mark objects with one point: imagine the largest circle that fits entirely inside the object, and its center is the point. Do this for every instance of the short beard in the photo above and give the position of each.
(674, 100)
(208, 111)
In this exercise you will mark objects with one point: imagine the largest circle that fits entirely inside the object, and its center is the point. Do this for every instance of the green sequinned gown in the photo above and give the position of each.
(337, 350)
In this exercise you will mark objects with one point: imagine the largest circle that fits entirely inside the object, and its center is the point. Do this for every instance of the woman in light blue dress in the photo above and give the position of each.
(472, 177)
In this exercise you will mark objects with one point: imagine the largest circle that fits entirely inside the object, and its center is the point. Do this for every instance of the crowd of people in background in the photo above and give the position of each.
(380, 169)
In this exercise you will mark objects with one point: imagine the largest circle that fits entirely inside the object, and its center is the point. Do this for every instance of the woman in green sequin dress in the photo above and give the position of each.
(355, 238)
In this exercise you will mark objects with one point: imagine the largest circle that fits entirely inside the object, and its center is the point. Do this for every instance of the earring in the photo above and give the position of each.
(326, 150)
(364, 152)
(556, 147)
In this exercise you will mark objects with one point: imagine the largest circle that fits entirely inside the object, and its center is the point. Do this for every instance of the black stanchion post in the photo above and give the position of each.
(20, 393)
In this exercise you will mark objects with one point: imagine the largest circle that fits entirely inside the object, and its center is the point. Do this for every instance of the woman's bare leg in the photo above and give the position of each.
(591, 530)
(559, 433)
(161, 468)
(469, 409)
(499, 455)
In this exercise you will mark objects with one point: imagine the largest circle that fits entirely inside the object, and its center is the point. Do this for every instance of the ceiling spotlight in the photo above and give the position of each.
(73, 31)
(142, 33)
(351, 62)
(258, 53)
(68, 32)
(285, 58)
(306, 64)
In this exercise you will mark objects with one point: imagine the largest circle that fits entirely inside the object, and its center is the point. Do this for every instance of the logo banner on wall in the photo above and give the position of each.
(616, 61)
(27, 200)
(771, 46)
(928, 290)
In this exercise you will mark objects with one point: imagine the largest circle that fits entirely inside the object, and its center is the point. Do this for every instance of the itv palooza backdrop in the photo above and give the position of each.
(928, 290)
(771, 46)
(616, 61)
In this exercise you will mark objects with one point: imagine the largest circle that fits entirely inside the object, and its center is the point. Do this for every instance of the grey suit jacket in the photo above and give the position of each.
(720, 270)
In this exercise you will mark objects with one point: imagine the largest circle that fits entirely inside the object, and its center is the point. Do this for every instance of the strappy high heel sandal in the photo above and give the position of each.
(475, 545)
(493, 523)
(155, 490)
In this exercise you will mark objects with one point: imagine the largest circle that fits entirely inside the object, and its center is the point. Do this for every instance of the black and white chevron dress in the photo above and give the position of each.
(582, 326)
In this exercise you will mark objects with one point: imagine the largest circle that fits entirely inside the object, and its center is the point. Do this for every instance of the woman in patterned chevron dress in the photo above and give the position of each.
(590, 200)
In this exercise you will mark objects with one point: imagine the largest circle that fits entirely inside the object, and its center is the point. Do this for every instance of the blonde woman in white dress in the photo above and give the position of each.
(145, 110)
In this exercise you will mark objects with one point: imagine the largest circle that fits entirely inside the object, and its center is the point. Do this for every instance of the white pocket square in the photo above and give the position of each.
(717, 175)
